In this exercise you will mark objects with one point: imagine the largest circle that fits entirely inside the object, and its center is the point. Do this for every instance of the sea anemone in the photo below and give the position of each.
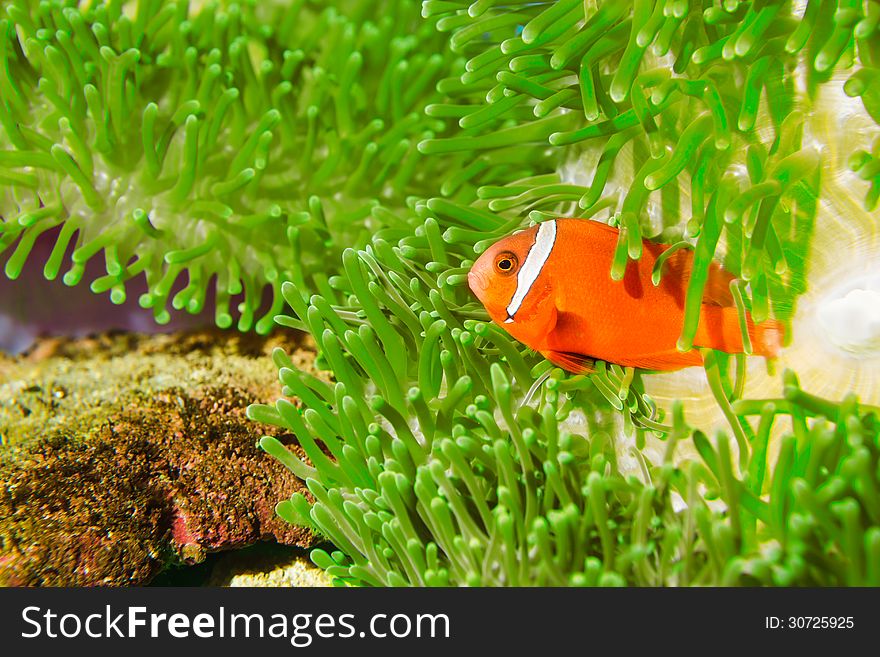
(230, 146)
(698, 127)
(441, 452)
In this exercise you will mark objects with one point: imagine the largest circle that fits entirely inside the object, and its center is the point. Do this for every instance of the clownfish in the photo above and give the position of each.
(549, 287)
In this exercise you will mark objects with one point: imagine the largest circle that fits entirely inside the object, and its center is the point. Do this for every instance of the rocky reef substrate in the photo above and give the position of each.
(124, 454)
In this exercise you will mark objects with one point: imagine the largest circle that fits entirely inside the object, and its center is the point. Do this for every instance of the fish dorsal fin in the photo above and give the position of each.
(679, 266)
(601, 226)
(571, 362)
(717, 290)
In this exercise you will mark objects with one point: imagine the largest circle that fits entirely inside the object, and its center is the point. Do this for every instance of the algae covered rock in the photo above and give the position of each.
(123, 454)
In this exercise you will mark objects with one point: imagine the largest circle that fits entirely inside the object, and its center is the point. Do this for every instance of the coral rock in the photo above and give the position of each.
(113, 491)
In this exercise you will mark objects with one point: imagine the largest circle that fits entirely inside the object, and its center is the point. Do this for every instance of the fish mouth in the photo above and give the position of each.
(477, 283)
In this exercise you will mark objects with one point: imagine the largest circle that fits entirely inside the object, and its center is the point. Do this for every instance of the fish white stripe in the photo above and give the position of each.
(531, 269)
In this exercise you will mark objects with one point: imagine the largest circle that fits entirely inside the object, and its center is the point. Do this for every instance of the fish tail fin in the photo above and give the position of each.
(767, 337)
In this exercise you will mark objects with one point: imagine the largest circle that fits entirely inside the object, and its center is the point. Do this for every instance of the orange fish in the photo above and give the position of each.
(550, 288)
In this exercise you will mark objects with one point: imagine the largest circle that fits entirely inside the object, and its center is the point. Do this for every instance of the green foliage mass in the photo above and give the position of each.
(443, 452)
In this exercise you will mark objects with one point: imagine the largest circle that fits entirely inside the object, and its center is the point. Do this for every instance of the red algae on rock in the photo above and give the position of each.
(161, 475)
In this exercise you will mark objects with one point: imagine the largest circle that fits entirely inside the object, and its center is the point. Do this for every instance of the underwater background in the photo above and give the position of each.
(325, 174)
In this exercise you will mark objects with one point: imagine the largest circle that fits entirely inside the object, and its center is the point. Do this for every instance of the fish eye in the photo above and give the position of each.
(505, 263)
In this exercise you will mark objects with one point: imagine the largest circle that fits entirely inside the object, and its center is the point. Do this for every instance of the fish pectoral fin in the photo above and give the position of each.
(536, 302)
(571, 362)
